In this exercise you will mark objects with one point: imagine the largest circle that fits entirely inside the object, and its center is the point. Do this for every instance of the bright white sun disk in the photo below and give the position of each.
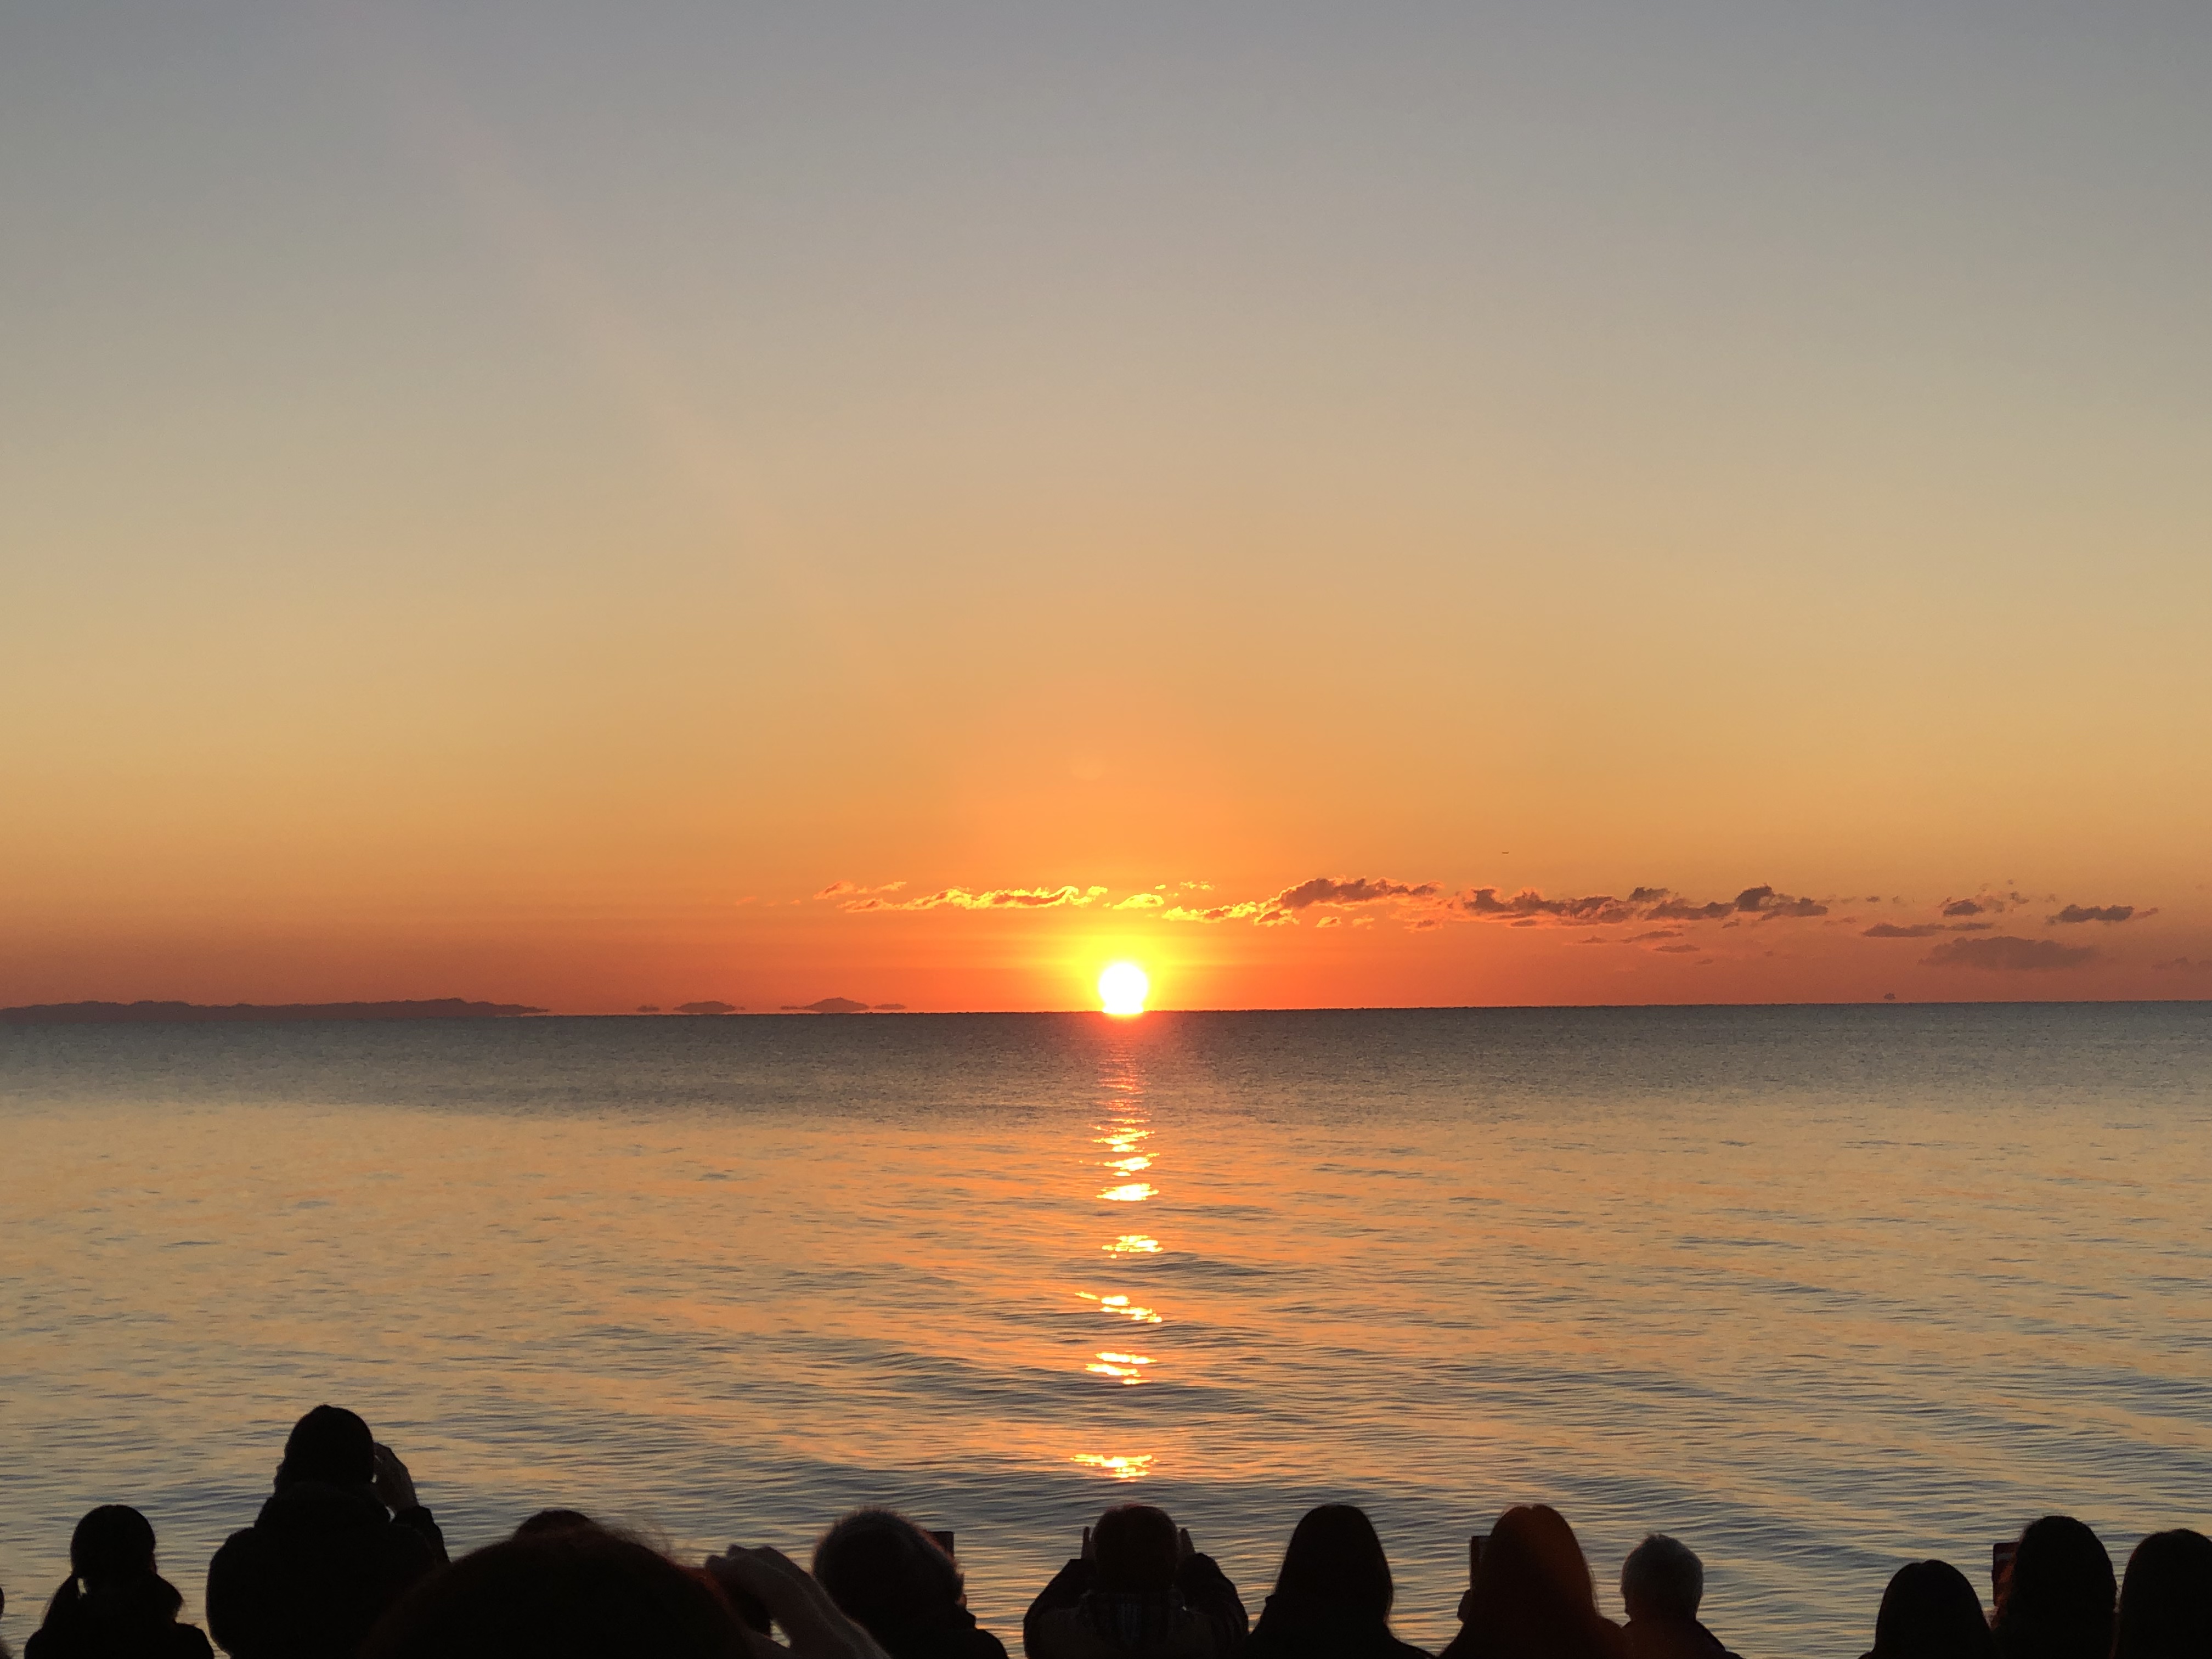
(1122, 988)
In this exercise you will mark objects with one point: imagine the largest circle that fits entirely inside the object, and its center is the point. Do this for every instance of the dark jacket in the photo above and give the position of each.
(1201, 1617)
(91, 1636)
(1652, 1637)
(1299, 1627)
(315, 1571)
(1588, 1638)
(952, 1634)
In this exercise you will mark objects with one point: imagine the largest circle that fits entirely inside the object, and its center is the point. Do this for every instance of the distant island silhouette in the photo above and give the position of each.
(128, 1013)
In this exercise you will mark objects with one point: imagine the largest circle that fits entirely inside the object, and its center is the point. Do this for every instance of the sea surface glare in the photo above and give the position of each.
(1816, 1289)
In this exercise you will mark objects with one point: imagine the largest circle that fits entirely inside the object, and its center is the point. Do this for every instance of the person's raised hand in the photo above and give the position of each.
(393, 1487)
(1087, 1554)
(1184, 1548)
(817, 1628)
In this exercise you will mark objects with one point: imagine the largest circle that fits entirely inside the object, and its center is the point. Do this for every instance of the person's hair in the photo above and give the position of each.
(553, 1521)
(329, 1445)
(2059, 1602)
(112, 1568)
(1931, 1612)
(1334, 1556)
(1133, 1547)
(2166, 1601)
(885, 1571)
(1662, 1575)
(1531, 1593)
(582, 1593)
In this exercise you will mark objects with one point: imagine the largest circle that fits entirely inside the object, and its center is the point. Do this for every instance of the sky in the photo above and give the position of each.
(602, 507)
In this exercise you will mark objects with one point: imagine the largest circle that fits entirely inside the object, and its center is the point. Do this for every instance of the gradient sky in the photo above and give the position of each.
(514, 501)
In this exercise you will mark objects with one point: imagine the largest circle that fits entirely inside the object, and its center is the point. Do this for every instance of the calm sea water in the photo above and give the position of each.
(1816, 1289)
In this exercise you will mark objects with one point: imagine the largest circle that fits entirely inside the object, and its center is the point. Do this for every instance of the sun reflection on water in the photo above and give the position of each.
(1125, 1137)
(1128, 1368)
(1122, 1306)
(1122, 1468)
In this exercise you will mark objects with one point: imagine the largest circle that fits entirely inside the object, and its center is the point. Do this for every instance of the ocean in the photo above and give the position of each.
(1815, 1290)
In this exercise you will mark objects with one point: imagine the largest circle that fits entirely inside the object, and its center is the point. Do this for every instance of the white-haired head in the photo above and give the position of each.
(1662, 1579)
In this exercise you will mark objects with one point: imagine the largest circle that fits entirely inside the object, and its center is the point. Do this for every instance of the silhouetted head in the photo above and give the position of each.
(2166, 1602)
(1133, 1547)
(329, 1445)
(2059, 1603)
(112, 1568)
(886, 1572)
(1335, 1557)
(1931, 1612)
(1531, 1593)
(582, 1593)
(553, 1521)
(1662, 1579)
(111, 1545)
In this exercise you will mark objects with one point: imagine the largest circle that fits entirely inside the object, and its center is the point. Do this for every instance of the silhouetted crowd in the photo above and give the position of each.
(343, 1561)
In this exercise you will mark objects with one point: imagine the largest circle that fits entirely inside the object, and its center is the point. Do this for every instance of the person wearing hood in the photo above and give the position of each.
(338, 1541)
(1332, 1597)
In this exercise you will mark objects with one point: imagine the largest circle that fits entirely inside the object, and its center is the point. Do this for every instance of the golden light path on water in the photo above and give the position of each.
(1125, 1133)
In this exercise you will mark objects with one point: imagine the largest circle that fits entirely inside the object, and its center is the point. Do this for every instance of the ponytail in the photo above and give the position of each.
(65, 1608)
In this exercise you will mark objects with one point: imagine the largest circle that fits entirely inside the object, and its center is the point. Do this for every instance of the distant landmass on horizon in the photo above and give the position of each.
(117, 1013)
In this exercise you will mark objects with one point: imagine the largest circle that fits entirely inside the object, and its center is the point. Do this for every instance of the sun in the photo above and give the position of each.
(1122, 988)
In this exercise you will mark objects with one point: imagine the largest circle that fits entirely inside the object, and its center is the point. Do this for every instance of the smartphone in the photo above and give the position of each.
(944, 1542)
(1475, 1544)
(2001, 1555)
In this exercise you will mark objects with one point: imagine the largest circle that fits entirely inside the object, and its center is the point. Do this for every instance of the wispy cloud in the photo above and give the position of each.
(1643, 904)
(852, 889)
(1238, 912)
(994, 898)
(2079, 913)
(2005, 953)
(1139, 901)
(1987, 902)
(1356, 889)
(1337, 892)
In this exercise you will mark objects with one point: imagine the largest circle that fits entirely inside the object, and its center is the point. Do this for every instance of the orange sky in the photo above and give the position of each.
(515, 509)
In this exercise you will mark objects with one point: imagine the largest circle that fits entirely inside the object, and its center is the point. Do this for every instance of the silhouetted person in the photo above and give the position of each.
(1532, 1596)
(2058, 1604)
(340, 1539)
(553, 1521)
(1931, 1612)
(902, 1585)
(2166, 1601)
(1332, 1596)
(1662, 1584)
(1138, 1588)
(562, 1593)
(114, 1605)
